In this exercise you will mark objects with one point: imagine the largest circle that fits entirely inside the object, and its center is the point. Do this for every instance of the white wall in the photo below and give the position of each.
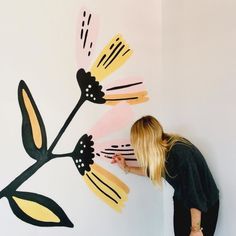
(37, 44)
(194, 96)
(197, 91)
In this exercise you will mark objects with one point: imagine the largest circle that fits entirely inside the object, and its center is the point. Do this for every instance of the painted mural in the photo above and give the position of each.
(40, 210)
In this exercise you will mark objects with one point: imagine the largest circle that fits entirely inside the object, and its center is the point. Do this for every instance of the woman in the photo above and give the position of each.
(196, 197)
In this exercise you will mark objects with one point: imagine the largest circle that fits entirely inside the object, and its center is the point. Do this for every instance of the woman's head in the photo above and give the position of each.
(146, 133)
(146, 129)
(147, 139)
(151, 144)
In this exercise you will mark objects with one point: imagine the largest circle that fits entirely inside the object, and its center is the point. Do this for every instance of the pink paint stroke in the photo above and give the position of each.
(113, 120)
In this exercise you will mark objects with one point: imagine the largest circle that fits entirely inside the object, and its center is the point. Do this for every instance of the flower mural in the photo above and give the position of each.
(105, 185)
(40, 210)
(114, 55)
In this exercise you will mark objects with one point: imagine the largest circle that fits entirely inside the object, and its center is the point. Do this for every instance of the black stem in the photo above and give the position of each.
(67, 122)
(61, 155)
(9, 189)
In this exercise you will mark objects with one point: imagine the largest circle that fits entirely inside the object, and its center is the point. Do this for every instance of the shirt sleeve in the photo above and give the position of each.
(191, 187)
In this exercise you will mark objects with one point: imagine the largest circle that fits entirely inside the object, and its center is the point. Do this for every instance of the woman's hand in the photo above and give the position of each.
(120, 160)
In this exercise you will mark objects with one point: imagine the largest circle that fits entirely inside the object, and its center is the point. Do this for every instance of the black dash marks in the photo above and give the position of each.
(81, 33)
(115, 56)
(107, 185)
(101, 189)
(112, 46)
(85, 38)
(114, 149)
(117, 46)
(124, 86)
(89, 18)
(114, 146)
(109, 153)
(130, 159)
(103, 57)
(106, 156)
(126, 52)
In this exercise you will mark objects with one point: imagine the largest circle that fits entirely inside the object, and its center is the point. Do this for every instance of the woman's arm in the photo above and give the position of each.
(120, 160)
(196, 229)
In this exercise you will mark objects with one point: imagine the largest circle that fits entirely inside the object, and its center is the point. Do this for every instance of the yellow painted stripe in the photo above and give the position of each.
(137, 97)
(37, 135)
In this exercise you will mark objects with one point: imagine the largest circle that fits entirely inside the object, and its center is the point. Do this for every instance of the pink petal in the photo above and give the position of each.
(115, 119)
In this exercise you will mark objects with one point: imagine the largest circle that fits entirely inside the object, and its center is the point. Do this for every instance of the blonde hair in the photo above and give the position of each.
(151, 145)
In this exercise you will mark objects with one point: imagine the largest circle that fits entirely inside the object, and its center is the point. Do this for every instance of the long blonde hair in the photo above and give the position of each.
(151, 145)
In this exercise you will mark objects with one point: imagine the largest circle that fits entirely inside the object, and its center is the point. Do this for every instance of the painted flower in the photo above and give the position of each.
(90, 88)
(114, 55)
(103, 183)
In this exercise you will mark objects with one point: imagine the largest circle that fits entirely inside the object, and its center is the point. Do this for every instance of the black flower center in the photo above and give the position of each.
(91, 90)
(83, 154)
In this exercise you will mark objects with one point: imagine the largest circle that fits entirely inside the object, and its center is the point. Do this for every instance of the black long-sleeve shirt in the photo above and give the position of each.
(187, 172)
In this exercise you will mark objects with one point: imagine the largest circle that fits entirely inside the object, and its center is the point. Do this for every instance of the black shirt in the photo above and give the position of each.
(187, 172)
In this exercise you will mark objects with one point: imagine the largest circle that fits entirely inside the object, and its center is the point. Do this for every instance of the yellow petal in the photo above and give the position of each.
(111, 58)
(107, 187)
